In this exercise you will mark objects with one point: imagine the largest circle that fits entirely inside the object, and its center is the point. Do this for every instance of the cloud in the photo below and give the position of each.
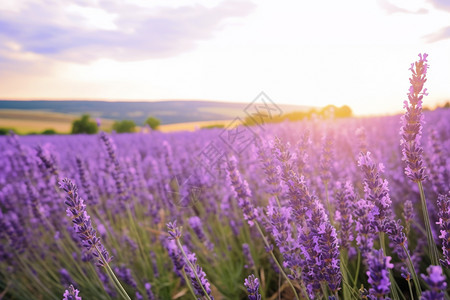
(390, 8)
(442, 34)
(441, 4)
(83, 31)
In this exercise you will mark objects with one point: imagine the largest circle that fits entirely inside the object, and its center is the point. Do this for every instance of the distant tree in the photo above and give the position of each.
(4, 131)
(49, 131)
(212, 126)
(446, 105)
(84, 125)
(124, 126)
(343, 112)
(153, 122)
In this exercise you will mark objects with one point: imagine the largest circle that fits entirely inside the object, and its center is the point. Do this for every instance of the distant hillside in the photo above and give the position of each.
(169, 112)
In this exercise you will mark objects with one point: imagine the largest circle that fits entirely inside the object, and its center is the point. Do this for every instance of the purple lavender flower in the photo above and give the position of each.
(326, 157)
(248, 256)
(197, 226)
(376, 190)
(176, 256)
(365, 232)
(329, 256)
(270, 169)
(65, 277)
(362, 139)
(398, 239)
(345, 200)
(198, 277)
(281, 152)
(315, 238)
(302, 155)
(378, 273)
(48, 160)
(71, 294)
(241, 191)
(279, 226)
(116, 173)
(411, 130)
(82, 222)
(437, 283)
(444, 224)
(85, 182)
(252, 285)
(174, 230)
(196, 274)
(125, 275)
(148, 290)
(408, 215)
(438, 171)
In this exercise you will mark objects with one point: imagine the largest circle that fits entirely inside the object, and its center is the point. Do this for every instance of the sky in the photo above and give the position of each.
(347, 52)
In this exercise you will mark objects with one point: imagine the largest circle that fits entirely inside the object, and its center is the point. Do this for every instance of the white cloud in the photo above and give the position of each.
(83, 31)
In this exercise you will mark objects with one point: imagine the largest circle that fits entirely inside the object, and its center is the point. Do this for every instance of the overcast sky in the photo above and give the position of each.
(301, 52)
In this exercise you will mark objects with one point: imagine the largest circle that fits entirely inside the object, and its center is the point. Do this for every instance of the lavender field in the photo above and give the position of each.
(355, 208)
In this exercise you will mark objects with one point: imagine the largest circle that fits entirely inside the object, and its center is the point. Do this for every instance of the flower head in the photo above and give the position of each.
(252, 285)
(437, 283)
(76, 210)
(411, 130)
(378, 273)
(71, 294)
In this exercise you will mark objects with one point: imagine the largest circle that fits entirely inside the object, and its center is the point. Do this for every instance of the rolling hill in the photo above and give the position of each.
(169, 112)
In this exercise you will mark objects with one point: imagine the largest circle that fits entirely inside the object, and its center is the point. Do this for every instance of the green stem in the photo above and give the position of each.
(344, 271)
(410, 290)
(323, 285)
(413, 273)
(394, 291)
(431, 244)
(192, 268)
(358, 265)
(113, 277)
(189, 284)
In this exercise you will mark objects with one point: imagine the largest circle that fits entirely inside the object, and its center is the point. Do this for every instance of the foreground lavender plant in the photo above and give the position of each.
(411, 134)
(411, 130)
(71, 294)
(195, 272)
(82, 223)
(252, 285)
(82, 226)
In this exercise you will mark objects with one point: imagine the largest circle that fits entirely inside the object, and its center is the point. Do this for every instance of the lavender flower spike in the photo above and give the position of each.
(411, 133)
(252, 285)
(411, 130)
(378, 273)
(71, 294)
(444, 224)
(242, 191)
(376, 190)
(436, 282)
(82, 223)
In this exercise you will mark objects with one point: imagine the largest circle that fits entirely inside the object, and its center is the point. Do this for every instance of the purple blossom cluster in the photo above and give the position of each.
(378, 274)
(71, 294)
(76, 210)
(412, 122)
(436, 281)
